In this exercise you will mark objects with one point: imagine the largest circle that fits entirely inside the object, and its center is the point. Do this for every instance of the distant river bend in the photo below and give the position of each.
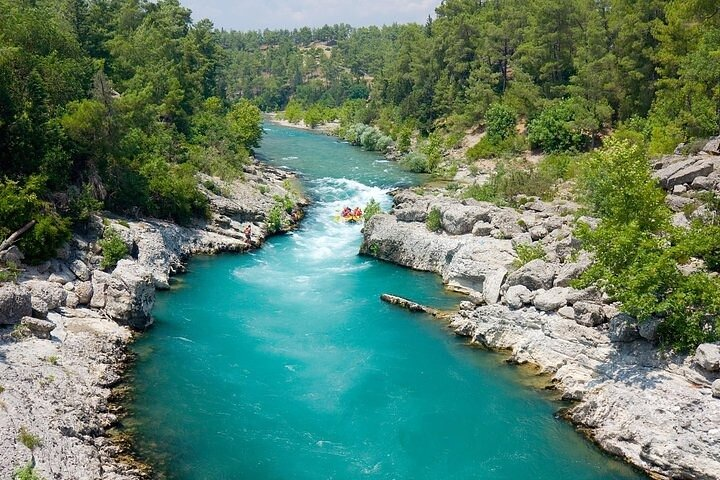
(284, 363)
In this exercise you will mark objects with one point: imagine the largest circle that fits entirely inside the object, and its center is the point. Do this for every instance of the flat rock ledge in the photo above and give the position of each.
(65, 327)
(658, 412)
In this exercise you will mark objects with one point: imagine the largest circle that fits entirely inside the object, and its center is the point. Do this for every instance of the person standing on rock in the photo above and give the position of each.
(248, 233)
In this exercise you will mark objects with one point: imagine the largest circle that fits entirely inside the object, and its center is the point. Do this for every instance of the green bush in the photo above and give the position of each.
(415, 162)
(293, 112)
(527, 253)
(553, 130)
(82, 204)
(21, 204)
(113, 248)
(371, 209)
(275, 218)
(636, 257)
(500, 121)
(617, 184)
(173, 191)
(285, 202)
(558, 166)
(434, 220)
(487, 148)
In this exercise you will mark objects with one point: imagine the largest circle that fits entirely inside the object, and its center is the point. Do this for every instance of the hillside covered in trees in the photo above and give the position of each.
(110, 104)
(650, 66)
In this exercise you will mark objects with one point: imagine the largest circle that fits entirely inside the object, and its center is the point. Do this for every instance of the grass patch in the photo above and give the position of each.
(26, 473)
(527, 253)
(28, 439)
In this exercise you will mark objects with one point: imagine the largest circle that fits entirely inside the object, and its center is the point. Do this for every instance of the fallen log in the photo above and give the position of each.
(408, 304)
(16, 236)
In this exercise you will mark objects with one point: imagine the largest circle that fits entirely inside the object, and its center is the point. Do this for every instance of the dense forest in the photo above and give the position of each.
(118, 104)
(650, 66)
(111, 104)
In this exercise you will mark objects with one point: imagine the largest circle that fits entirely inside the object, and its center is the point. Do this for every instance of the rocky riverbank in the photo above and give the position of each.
(65, 326)
(659, 411)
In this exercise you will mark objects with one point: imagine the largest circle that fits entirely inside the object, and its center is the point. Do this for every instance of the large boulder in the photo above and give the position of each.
(480, 265)
(412, 210)
(551, 300)
(707, 355)
(623, 328)
(100, 281)
(81, 271)
(12, 255)
(535, 275)
(648, 329)
(51, 293)
(713, 146)
(684, 171)
(518, 296)
(571, 271)
(590, 294)
(130, 295)
(15, 303)
(84, 292)
(589, 314)
(38, 327)
(458, 219)
(507, 223)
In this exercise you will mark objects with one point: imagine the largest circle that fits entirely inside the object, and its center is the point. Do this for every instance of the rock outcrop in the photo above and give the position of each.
(15, 303)
(657, 411)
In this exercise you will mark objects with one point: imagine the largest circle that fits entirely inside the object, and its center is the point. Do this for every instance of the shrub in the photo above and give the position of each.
(371, 209)
(82, 204)
(212, 187)
(557, 166)
(293, 112)
(636, 259)
(500, 121)
(21, 204)
(553, 130)
(509, 181)
(173, 191)
(314, 116)
(275, 218)
(113, 248)
(434, 220)
(9, 272)
(286, 203)
(527, 253)
(415, 162)
(617, 185)
(486, 148)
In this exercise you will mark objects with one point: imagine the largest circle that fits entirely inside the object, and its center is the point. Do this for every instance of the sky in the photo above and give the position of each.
(289, 14)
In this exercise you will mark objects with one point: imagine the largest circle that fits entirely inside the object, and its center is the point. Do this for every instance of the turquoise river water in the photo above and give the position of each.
(285, 364)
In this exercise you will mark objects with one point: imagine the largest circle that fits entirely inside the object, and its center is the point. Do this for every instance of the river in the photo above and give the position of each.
(284, 363)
